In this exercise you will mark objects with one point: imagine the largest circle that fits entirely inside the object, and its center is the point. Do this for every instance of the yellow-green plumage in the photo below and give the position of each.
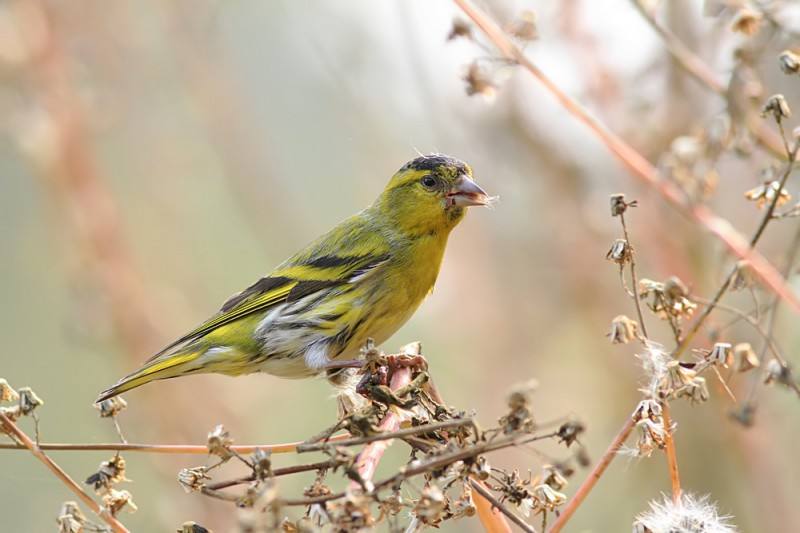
(363, 279)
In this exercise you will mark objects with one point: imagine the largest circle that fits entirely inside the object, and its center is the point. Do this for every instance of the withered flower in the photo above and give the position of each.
(746, 21)
(524, 28)
(667, 299)
(7, 392)
(464, 505)
(620, 252)
(618, 204)
(765, 193)
(696, 390)
(219, 443)
(721, 354)
(71, 519)
(110, 473)
(651, 437)
(520, 417)
(193, 527)
(789, 62)
(649, 409)
(111, 407)
(115, 500)
(481, 468)
(262, 463)
(623, 330)
(28, 401)
(777, 372)
(548, 498)
(460, 28)
(479, 82)
(193, 479)
(778, 107)
(552, 476)
(569, 432)
(745, 357)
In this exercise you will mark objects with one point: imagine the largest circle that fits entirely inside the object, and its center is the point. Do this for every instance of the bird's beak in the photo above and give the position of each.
(466, 192)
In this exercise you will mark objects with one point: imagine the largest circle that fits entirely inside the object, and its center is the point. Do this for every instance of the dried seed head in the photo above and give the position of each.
(115, 500)
(651, 437)
(721, 354)
(569, 432)
(688, 515)
(623, 330)
(778, 107)
(28, 401)
(618, 204)
(548, 498)
(479, 82)
(219, 443)
(111, 407)
(7, 392)
(12, 413)
(696, 390)
(650, 409)
(431, 506)
(789, 62)
(459, 29)
(71, 519)
(482, 468)
(524, 28)
(110, 473)
(746, 21)
(620, 252)
(667, 299)
(552, 476)
(745, 357)
(777, 372)
(193, 527)
(262, 463)
(765, 193)
(193, 479)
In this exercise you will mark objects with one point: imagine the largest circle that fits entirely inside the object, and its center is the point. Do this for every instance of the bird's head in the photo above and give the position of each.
(430, 194)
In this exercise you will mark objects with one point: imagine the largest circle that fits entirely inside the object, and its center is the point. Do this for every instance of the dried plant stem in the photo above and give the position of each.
(672, 456)
(494, 503)
(277, 472)
(186, 449)
(399, 434)
(765, 220)
(8, 426)
(596, 473)
(634, 281)
(638, 165)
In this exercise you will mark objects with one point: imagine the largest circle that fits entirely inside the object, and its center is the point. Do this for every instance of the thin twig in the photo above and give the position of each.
(278, 472)
(589, 483)
(480, 489)
(634, 281)
(765, 220)
(8, 426)
(672, 456)
(187, 449)
(399, 434)
(639, 166)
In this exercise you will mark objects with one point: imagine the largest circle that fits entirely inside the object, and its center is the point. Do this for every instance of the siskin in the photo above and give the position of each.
(363, 279)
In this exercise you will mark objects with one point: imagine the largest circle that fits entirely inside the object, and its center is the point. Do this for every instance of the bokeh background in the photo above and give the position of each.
(156, 157)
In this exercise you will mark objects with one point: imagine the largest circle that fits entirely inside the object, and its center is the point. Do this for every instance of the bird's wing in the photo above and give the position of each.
(340, 257)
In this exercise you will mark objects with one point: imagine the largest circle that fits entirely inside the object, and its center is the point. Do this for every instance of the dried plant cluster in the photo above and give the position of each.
(390, 398)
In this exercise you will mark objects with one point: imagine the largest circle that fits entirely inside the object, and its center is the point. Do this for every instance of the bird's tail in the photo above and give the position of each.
(167, 366)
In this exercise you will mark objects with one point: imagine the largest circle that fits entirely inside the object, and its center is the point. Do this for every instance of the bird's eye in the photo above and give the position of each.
(429, 182)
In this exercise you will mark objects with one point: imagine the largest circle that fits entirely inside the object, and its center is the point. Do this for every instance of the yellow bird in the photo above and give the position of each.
(363, 279)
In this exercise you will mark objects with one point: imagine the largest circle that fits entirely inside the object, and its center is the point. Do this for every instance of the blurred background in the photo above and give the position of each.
(157, 157)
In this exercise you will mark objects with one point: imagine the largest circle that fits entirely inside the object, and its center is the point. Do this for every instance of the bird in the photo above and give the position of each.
(315, 311)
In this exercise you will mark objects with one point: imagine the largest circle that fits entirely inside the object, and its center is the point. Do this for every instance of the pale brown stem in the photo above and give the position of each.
(638, 165)
(8, 426)
(186, 449)
(596, 473)
(672, 456)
